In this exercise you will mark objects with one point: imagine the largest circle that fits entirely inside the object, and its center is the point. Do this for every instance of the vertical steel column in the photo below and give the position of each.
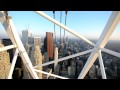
(101, 65)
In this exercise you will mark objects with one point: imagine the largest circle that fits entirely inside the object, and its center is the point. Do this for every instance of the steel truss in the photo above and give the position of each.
(95, 52)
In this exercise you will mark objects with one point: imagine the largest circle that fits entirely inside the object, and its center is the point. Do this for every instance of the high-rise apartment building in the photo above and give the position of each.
(48, 44)
(36, 58)
(4, 63)
(25, 35)
(37, 41)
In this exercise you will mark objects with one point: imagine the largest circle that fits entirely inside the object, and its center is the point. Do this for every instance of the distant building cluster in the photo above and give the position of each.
(42, 50)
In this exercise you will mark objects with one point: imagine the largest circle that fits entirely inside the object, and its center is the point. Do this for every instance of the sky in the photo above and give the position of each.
(90, 24)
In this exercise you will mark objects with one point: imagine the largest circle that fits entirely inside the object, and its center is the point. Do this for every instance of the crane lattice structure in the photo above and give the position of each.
(95, 52)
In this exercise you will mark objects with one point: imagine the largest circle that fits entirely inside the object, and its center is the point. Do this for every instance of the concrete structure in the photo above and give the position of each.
(36, 58)
(25, 35)
(37, 41)
(46, 57)
(4, 63)
(31, 40)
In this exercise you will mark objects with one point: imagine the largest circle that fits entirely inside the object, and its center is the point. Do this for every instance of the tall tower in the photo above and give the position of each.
(4, 63)
(25, 35)
(37, 41)
(36, 58)
(49, 44)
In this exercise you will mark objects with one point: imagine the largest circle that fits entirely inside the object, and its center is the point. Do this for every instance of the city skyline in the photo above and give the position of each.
(90, 24)
(65, 59)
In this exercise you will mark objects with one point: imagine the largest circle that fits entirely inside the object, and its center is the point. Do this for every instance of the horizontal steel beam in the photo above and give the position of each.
(110, 52)
(65, 58)
(7, 48)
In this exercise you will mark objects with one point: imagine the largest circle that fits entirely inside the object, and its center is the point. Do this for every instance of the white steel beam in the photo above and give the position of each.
(110, 52)
(108, 30)
(64, 27)
(5, 25)
(65, 58)
(12, 33)
(22, 51)
(55, 57)
(13, 64)
(101, 65)
(50, 74)
(7, 48)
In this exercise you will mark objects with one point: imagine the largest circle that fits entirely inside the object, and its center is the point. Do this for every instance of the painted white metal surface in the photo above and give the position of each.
(108, 30)
(111, 52)
(50, 74)
(13, 64)
(22, 51)
(5, 25)
(7, 48)
(101, 65)
(11, 31)
(68, 57)
(64, 27)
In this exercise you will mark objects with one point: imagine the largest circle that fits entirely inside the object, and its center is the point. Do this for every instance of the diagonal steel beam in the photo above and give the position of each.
(12, 33)
(13, 64)
(108, 30)
(64, 27)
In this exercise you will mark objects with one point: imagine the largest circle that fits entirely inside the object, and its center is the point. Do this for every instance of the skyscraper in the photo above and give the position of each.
(25, 35)
(48, 44)
(36, 58)
(37, 41)
(4, 63)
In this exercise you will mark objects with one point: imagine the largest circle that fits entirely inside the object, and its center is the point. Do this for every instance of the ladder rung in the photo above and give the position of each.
(7, 48)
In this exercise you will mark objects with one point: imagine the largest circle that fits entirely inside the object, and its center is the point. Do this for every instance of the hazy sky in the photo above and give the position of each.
(87, 23)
